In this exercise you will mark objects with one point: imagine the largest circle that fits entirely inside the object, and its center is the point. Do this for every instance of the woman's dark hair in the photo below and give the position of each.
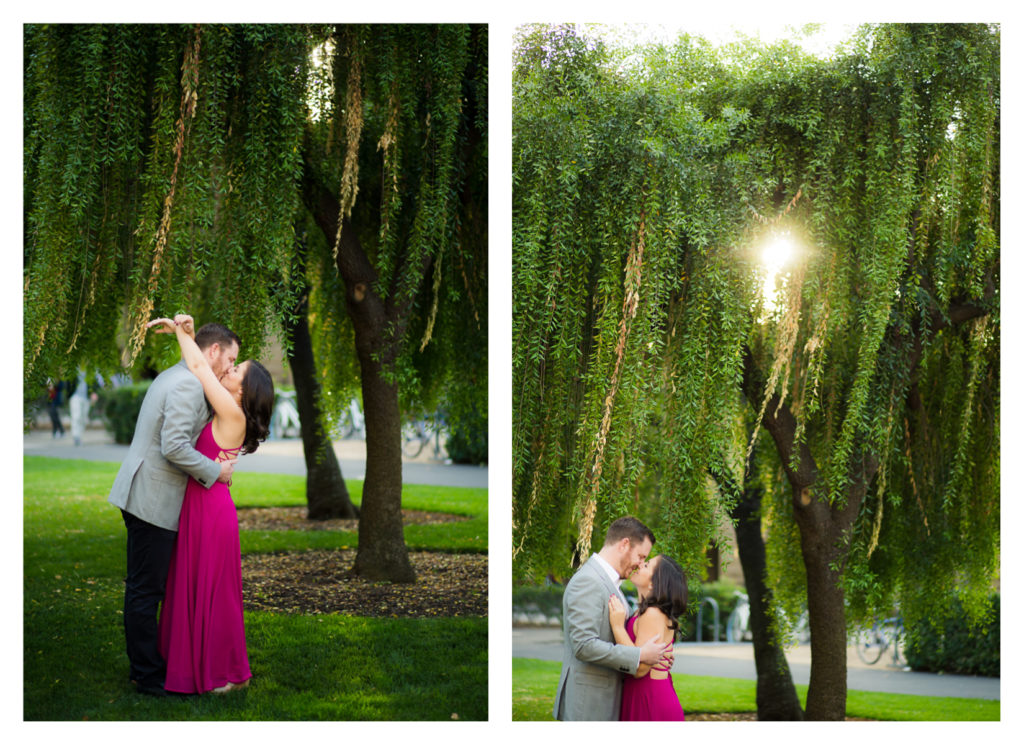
(668, 591)
(257, 404)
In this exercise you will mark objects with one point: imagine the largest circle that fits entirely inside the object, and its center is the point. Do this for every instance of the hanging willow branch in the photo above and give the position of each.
(189, 98)
(630, 302)
(432, 316)
(353, 135)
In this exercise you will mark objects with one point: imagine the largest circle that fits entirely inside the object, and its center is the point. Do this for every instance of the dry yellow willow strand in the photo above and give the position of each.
(353, 134)
(189, 97)
(630, 302)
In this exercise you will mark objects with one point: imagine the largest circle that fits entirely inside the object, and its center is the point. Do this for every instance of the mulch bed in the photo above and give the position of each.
(294, 518)
(319, 582)
(740, 716)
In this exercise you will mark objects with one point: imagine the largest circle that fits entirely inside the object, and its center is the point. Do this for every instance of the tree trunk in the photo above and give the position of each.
(826, 693)
(776, 694)
(382, 553)
(326, 494)
(824, 543)
(825, 532)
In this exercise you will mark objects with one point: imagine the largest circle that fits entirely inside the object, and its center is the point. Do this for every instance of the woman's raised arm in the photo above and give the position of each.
(223, 403)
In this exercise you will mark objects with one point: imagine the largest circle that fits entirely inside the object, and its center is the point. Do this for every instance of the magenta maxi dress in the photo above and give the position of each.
(649, 699)
(202, 633)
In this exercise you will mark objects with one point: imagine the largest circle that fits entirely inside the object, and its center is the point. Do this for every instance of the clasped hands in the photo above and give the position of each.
(169, 326)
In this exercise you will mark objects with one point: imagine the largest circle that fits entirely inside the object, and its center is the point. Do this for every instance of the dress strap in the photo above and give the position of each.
(232, 452)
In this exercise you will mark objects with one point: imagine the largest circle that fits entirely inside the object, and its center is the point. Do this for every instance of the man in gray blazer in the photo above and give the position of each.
(593, 665)
(150, 488)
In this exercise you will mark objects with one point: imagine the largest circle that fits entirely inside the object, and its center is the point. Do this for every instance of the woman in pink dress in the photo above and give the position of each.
(661, 587)
(201, 629)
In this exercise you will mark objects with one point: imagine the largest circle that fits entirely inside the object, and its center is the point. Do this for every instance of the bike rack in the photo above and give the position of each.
(700, 618)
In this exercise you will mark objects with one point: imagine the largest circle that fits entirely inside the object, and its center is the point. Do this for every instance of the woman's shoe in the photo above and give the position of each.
(229, 687)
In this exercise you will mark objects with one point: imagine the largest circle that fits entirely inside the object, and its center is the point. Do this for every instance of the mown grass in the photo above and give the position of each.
(534, 683)
(322, 667)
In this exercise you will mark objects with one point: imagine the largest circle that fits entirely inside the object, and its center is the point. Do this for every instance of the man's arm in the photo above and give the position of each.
(584, 606)
(182, 409)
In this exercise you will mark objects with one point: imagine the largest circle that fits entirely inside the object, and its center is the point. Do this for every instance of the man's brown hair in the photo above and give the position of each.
(216, 333)
(628, 527)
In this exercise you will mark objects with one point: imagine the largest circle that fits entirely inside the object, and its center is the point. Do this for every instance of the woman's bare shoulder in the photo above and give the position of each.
(652, 621)
(653, 613)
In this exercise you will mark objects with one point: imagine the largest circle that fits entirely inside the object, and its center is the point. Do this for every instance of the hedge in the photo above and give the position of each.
(952, 646)
(120, 407)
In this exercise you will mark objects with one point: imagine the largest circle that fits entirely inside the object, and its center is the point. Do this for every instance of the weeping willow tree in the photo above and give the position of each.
(877, 377)
(168, 167)
(624, 277)
(394, 176)
(870, 359)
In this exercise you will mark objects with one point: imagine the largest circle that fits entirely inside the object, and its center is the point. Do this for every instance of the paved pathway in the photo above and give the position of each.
(273, 456)
(737, 661)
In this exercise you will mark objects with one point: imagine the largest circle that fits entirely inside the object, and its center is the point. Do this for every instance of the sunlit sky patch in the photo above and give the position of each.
(820, 39)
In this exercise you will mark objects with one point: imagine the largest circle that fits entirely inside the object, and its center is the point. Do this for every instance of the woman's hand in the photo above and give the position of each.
(616, 611)
(162, 325)
(185, 321)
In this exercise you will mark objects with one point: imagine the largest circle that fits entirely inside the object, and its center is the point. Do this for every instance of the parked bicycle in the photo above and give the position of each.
(737, 628)
(285, 420)
(418, 433)
(872, 643)
(351, 422)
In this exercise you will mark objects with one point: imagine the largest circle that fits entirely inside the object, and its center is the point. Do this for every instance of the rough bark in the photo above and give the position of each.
(326, 494)
(382, 553)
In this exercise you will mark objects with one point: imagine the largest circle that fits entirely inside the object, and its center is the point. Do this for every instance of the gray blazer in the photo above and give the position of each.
(151, 482)
(590, 686)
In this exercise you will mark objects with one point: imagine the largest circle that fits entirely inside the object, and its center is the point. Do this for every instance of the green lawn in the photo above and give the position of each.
(320, 667)
(534, 683)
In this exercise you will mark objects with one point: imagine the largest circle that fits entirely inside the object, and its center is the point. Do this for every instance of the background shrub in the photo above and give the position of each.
(120, 407)
(953, 646)
(547, 599)
(467, 438)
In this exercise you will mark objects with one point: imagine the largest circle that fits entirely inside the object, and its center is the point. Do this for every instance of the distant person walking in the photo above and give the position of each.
(54, 395)
(79, 405)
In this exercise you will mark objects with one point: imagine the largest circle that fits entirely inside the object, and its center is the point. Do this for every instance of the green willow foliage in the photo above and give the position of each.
(123, 133)
(624, 279)
(165, 170)
(419, 172)
(883, 164)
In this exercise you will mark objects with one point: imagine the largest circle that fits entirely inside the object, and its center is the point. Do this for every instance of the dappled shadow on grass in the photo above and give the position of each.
(336, 667)
(319, 582)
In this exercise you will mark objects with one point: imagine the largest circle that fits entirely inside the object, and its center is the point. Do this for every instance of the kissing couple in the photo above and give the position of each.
(182, 527)
(608, 673)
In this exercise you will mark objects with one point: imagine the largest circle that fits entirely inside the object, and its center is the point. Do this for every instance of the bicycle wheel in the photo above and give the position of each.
(345, 428)
(871, 645)
(412, 442)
